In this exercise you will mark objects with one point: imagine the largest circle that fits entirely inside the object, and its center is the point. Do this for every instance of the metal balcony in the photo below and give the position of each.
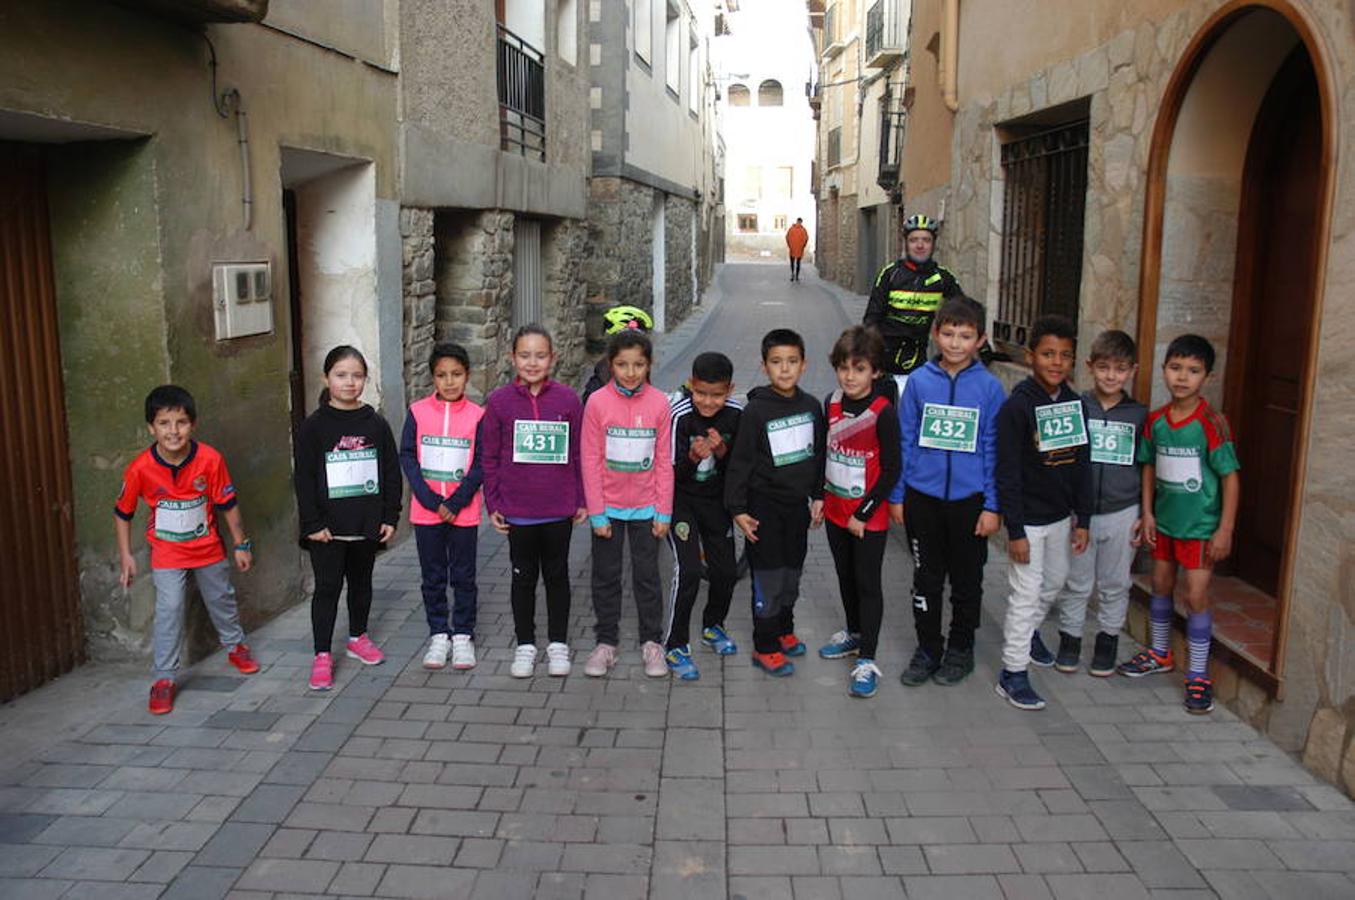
(831, 40)
(884, 34)
(522, 96)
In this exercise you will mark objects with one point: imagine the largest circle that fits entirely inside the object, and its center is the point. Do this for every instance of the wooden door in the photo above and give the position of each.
(1272, 310)
(41, 627)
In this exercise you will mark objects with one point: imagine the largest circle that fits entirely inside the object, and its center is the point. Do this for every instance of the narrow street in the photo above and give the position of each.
(408, 783)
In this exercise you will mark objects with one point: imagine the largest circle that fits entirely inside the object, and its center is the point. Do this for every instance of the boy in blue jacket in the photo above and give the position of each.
(948, 429)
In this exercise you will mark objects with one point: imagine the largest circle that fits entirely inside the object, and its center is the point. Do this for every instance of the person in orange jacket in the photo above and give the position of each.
(796, 239)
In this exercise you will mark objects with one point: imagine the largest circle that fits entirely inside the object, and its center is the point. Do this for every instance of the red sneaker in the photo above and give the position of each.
(774, 664)
(243, 660)
(791, 645)
(162, 697)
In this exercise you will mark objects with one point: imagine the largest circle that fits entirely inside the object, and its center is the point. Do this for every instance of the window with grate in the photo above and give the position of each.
(747, 222)
(779, 223)
(834, 147)
(1044, 207)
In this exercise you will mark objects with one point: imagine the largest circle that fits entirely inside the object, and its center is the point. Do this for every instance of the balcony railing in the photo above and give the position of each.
(875, 28)
(522, 96)
(832, 45)
(884, 33)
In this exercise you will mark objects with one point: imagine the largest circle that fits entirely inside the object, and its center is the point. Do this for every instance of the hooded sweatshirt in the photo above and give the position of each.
(1034, 486)
(627, 455)
(346, 473)
(529, 451)
(779, 452)
(1116, 482)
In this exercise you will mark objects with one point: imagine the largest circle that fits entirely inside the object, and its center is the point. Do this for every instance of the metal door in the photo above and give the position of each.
(526, 272)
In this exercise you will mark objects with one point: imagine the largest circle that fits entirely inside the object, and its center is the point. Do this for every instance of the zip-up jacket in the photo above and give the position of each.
(863, 446)
(626, 452)
(780, 450)
(704, 479)
(437, 454)
(935, 470)
(517, 484)
(1115, 486)
(903, 304)
(1034, 486)
(346, 473)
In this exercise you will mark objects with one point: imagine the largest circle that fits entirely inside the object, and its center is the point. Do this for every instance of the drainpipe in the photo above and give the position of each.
(950, 59)
(232, 98)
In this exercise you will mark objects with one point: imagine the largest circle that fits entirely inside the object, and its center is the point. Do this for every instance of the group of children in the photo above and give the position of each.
(1078, 482)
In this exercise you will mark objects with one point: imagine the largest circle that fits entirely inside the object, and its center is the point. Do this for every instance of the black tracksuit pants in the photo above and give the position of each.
(540, 550)
(858, 562)
(776, 559)
(699, 525)
(944, 546)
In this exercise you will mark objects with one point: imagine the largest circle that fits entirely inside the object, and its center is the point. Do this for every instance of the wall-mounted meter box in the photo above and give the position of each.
(242, 296)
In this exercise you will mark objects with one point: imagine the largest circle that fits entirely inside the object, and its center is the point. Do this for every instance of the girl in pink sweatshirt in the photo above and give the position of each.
(628, 484)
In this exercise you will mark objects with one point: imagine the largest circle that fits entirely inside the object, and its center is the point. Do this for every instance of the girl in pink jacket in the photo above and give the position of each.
(628, 484)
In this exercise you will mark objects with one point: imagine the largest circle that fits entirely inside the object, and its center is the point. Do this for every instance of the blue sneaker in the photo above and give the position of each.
(680, 663)
(715, 639)
(1015, 686)
(840, 645)
(864, 676)
(1039, 653)
(791, 645)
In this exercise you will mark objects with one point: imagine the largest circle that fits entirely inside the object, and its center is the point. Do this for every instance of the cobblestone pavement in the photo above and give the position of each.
(407, 783)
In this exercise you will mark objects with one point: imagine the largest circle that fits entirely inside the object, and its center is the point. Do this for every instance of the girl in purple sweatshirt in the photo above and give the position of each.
(529, 446)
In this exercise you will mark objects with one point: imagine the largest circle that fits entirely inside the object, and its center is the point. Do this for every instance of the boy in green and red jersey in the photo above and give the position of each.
(1190, 496)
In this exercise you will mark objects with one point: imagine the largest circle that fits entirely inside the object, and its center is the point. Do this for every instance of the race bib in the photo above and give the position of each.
(540, 442)
(791, 439)
(1178, 469)
(443, 458)
(352, 473)
(1112, 442)
(949, 427)
(705, 469)
(1060, 425)
(181, 520)
(845, 475)
(630, 449)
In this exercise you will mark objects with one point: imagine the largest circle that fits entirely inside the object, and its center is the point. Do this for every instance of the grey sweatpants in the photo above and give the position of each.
(644, 570)
(1105, 564)
(171, 591)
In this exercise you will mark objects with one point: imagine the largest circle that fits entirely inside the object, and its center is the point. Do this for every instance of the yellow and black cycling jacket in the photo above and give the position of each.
(902, 304)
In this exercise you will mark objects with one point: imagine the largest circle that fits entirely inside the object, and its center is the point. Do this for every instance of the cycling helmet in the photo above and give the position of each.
(620, 318)
(919, 222)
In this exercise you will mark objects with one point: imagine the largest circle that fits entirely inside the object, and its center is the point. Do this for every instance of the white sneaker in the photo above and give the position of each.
(436, 657)
(652, 654)
(557, 659)
(524, 660)
(463, 652)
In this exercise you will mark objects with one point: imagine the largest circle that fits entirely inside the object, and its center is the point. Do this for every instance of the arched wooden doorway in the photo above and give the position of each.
(1235, 243)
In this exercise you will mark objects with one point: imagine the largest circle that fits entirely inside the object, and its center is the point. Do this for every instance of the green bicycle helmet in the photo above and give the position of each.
(620, 318)
(919, 222)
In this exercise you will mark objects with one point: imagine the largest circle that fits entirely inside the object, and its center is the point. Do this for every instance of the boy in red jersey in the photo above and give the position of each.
(185, 484)
(1190, 495)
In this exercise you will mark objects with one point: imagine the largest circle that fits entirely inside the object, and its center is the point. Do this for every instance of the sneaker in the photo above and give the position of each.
(1039, 653)
(1146, 662)
(865, 675)
(1103, 656)
(162, 697)
(524, 660)
(600, 661)
(1199, 696)
(362, 649)
(841, 644)
(679, 661)
(557, 659)
(956, 664)
(1015, 686)
(774, 663)
(243, 660)
(652, 654)
(439, 645)
(922, 667)
(791, 645)
(322, 672)
(715, 638)
(463, 652)
(1070, 653)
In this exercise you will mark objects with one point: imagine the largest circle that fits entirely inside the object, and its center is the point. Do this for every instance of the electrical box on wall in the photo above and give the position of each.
(242, 296)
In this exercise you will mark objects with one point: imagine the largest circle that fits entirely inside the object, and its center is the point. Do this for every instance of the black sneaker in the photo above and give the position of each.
(1103, 657)
(1070, 653)
(1199, 696)
(1039, 653)
(922, 668)
(955, 666)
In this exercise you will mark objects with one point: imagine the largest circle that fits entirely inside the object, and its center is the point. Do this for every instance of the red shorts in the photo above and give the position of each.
(1189, 552)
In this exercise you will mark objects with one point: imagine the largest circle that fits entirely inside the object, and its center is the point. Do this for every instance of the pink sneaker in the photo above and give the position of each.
(322, 672)
(362, 649)
(600, 661)
(652, 654)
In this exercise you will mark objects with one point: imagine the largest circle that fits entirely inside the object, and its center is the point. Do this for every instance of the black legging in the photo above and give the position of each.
(858, 562)
(795, 267)
(540, 550)
(334, 563)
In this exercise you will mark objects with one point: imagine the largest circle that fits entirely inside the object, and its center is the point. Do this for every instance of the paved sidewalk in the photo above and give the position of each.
(407, 783)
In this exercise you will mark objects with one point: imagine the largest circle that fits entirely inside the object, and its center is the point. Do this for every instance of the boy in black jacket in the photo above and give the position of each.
(705, 421)
(774, 491)
(1043, 482)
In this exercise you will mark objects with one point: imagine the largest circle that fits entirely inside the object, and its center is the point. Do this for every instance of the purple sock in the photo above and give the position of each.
(1199, 629)
(1160, 623)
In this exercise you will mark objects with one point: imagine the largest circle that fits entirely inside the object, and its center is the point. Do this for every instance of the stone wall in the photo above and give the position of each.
(679, 218)
(416, 238)
(844, 264)
(473, 271)
(620, 250)
(564, 251)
